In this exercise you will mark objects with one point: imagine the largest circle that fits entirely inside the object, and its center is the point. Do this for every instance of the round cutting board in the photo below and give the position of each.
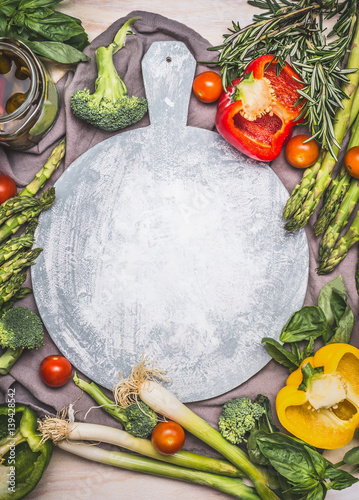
(165, 241)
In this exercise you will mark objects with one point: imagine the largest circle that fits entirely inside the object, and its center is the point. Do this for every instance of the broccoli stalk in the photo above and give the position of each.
(238, 418)
(137, 419)
(20, 329)
(109, 107)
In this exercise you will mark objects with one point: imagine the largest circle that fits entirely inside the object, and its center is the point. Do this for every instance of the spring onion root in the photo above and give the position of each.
(142, 384)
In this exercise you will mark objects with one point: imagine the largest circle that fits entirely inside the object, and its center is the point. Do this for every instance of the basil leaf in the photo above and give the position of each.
(338, 304)
(39, 13)
(318, 493)
(254, 452)
(286, 489)
(340, 479)
(18, 19)
(289, 458)
(3, 24)
(37, 4)
(56, 51)
(265, 423)
(319, 462)
(333, 302)
(7, 7)
(304, 486)
(308, 349)
(79, 41)
(58, 27)
(308, 322)
(280, 354)
(345, 321)
(352, 456)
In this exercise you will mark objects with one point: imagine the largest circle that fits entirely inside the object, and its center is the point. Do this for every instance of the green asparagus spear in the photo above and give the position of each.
(47, 170)
(346, 208)
(341, 126)
(336, 194)
(333, 198)
(20, 294)
(307, 182)
(12, 225)
(15, 205)
(11, 287)
(12, 246)
(302, 189)
(357, 276)
(341, 248)
(19, 261)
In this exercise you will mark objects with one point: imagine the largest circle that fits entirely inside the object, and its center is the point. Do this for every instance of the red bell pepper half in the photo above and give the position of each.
(258, 111)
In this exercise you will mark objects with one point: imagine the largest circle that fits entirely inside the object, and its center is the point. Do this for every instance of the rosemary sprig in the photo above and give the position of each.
(294, 31)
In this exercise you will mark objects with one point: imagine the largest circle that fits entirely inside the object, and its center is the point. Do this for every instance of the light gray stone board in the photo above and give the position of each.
(167, 242)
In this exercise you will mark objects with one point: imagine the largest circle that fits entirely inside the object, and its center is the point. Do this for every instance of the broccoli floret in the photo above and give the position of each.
(137, 419)
(238, 417)
(109, 107)
(20, 329)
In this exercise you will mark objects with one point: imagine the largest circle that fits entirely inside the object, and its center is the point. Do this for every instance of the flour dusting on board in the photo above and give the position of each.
(165, 241)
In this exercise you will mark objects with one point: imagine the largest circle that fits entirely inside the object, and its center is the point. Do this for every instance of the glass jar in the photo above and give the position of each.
(29, 100)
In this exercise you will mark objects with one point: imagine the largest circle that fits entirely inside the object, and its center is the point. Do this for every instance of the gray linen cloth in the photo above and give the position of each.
(80, 137)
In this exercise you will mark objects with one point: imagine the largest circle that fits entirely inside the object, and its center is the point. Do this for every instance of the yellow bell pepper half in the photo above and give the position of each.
(320, 402)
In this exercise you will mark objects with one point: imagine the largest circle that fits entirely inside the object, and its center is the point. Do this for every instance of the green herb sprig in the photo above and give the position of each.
(294, 31)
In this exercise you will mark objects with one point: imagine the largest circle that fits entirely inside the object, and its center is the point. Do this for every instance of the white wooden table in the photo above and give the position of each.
(72, 478)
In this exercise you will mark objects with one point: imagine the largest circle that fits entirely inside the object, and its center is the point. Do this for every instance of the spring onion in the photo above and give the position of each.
(142, 384)
(53, 429)
(58, 429)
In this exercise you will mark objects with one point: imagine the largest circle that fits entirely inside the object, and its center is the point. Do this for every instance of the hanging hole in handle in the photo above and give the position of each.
(169, 59)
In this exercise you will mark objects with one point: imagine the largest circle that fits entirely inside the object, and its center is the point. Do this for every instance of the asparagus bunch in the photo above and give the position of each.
(14, 206)
(333, 198)
(12, 225)
(16, 253)
(332, 233)
(16, 221)
(340, 184)
(341, 248)
(302, 189)
(14, 245)
(306, 196)
(342, 203)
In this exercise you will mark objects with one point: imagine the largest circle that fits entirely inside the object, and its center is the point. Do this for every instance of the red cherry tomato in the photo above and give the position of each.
(301, 154)
(351, 161)
(168, 437)
(7, 188)
(207, 86)
(55, 371)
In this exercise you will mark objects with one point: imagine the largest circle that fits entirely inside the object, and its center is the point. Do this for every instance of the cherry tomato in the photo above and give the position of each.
(207, 86)
(7, 188)
(168, 437)
(301, 154)
(351, 161)
(55, 370)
